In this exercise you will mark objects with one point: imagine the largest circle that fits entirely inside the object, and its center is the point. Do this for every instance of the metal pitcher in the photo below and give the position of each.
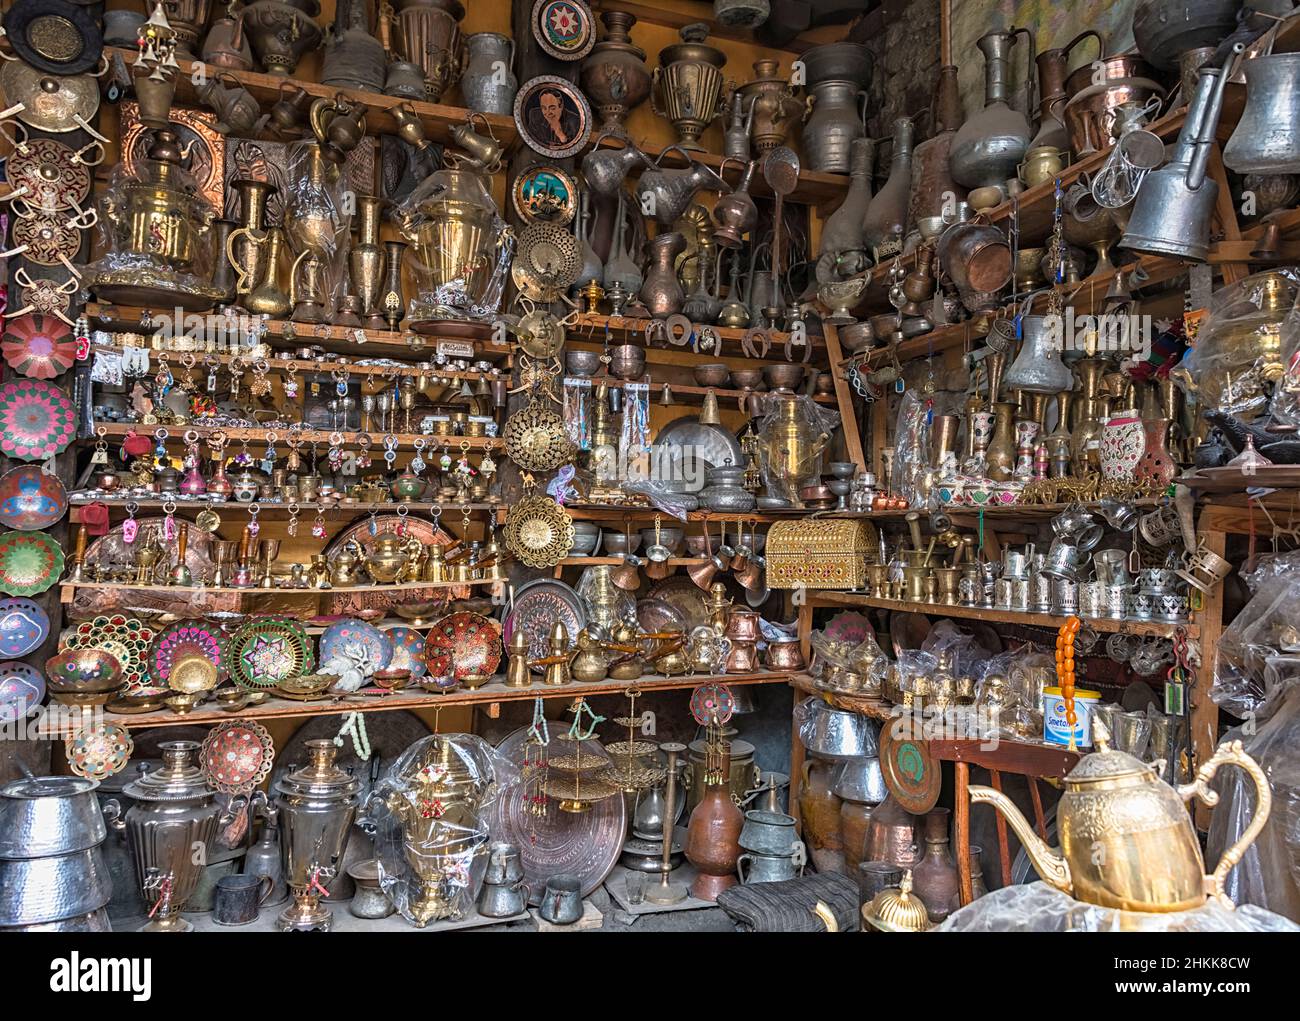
(1171, 214)
(1267, 138)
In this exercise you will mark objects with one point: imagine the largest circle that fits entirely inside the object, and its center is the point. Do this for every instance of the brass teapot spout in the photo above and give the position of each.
(1052, 867)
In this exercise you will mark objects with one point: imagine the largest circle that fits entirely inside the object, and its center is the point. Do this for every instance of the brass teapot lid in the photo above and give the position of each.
(180, 778)
(1107, 764)
(896, 909)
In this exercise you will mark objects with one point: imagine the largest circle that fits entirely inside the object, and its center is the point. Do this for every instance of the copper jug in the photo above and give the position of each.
(892, 835)
(1053, 65)
(819, 816)
(931, 177)
(713, 837)
(935, 875)
(226, 45)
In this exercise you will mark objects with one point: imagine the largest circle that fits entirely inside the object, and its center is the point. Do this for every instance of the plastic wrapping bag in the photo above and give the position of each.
(605, 602)
(1037, 907)
(786, 463)
(460, 248)
(1265, 628)
(911, 448)
(428, 820)
(968, 654)
(1008, 693)
(1269, 872)
(317, 225)
(820, 726)
(1247, 340)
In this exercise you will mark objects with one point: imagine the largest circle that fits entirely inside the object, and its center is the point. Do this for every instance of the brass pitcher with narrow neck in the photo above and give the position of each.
(991, 145)
(1127, 840)
(268, 297)
(246, 244)
(366, 262)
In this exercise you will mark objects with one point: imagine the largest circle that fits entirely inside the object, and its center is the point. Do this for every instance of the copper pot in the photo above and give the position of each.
(892, 835)
(786, 655)
(742, 625)
(1090, 110)
(713, 839)
(819, 817)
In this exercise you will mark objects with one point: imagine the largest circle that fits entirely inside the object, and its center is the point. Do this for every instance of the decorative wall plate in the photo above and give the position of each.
(550, 255)
(463, 643)
(52, 103)
(351, 632)
(53, 178)
(23, 627)
(31, 498)
(536, 439)
(39, 347)
(22, 688)
(553, 116)
(30, 562)
(99, 752)
(564, 28)
(583, 844)
(685, 596)
(54, 35)
(535, 609)
(267, 650)
(408, 651)
(545, 194)
(911, 772)
(37, 420)
(49, 237)
(236, 756)
(186, 638)
(125, 637)
(538, 531)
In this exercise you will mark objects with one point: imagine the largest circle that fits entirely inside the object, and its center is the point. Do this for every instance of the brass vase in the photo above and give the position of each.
(315, 227)
(246, 245)
(366, 261)
(392, 303)
(1001, 454)
(268, 297)
(688, 83)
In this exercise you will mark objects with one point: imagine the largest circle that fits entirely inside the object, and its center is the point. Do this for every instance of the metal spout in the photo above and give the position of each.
(1051, 866)
(1203, 135)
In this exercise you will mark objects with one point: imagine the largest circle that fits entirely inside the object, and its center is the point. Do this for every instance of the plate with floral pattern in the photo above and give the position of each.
(37, 420)
(463, 644)
(99, 752)
(349, 637)
(408, 651)
(267, 650)
(237, 756)
(23, 627)
(125, 637)
(31, 498)
(30, 562)
(186, 638)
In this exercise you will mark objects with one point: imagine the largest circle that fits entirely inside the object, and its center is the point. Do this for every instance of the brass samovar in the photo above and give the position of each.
(159, 230)
(791, 446)
(456, 240)
(317, 228)
(687, 87)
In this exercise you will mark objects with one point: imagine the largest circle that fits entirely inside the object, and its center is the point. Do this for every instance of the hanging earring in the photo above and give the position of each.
(253, 527)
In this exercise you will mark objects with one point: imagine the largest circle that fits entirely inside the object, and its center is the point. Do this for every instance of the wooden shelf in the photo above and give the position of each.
(1014, 512)
(629, 330)
(667, 18)
(589, 513)
(876, 708)
(267, 508)
(494, 691)
(1145, 628)
(414, 586)
(404, 440)
(283, 333)
(438, 118)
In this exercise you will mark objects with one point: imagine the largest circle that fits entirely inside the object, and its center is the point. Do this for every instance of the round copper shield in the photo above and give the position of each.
(911, 771)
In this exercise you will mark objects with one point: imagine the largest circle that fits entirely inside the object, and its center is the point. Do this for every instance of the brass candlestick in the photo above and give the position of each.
(666, 891)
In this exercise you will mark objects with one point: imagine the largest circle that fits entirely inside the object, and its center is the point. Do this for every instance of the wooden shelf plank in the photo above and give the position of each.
(414, 586)
(177, 432)
(1154, 628)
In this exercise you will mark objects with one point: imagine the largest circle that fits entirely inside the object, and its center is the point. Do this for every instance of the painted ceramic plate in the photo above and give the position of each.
(37, 420)
(712, 701)
(183, 639)
(30, 562)
(22, 688)
(23, 627)
(268, 650)
(536, 608)
(408, 650)
(564, 28)
(39, 347)
(237, 756)
(463, 643)
(124, 637)
(98, 752)
(31, 498)
(545, 194)
(553, 116)
(348, 636)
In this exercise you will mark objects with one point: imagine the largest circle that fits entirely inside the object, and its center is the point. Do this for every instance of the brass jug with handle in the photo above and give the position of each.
(1127, 839)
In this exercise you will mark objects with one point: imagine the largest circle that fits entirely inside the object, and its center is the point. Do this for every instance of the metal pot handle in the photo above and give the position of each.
(1230, 752)
(740, 867)
(112, 811)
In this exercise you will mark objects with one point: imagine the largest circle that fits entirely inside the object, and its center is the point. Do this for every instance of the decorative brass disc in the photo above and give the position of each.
(53, 181)
(550, 254)
(47, 236)
(540, 334)
(53, 102)
(535, 438)
(538, 532)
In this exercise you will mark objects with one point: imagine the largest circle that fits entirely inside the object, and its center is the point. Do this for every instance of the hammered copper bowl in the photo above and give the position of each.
(394, 679)
(83, 671)
(616, 543)
(712, 374)
(857, 336)
(627, 361)
(746, 379)
(581, 363)
(695, 545)
(783, 375)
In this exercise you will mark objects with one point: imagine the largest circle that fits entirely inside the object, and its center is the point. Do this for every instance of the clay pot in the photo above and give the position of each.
(819, 817)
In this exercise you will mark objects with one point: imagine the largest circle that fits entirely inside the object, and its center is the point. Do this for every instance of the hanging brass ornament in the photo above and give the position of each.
(536, 439)
(538, 531)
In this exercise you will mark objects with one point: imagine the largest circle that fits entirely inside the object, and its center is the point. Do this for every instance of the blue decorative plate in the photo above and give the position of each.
(23, 627)
(22, 688)
(408, 651)
(350, 632)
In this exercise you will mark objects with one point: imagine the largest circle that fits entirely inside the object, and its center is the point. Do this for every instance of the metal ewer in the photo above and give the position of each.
(315, 806)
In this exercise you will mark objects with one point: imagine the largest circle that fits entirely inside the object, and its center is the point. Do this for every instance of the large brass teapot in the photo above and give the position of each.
(1126, 836)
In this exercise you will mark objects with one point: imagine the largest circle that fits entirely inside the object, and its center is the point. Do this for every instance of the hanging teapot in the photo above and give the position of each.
(604, 170)
(1038, 368)
(665, 194)
(1127, 840)
(238, 113)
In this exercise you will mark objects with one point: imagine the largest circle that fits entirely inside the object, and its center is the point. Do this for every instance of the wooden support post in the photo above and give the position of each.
(1225, 214)
(1004, 850)
(844, 398)
(961, 831)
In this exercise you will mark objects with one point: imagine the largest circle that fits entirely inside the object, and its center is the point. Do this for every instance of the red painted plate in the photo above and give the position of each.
(461, 644)
(39, 347)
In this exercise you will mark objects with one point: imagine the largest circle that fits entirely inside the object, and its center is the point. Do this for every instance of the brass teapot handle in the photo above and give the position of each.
(1230, 752)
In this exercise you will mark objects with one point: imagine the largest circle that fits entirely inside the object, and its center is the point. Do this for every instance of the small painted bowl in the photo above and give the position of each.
(392, 680)
(85, 670)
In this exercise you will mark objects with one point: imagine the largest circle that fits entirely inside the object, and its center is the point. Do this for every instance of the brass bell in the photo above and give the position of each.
(709, 412)
(666, 396)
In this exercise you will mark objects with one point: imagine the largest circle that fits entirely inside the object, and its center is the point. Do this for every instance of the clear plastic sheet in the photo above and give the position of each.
(1268, 874)
(606, 603)
(819, 726)
(1037, 907)
(785, 465)
(428, 820)
(911, 448)
(1008, 693)
(460, 248)
(317, 225)
(1248, 338)
(662, 498)
(968, 654)
(1265, 629)
(865, 658)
